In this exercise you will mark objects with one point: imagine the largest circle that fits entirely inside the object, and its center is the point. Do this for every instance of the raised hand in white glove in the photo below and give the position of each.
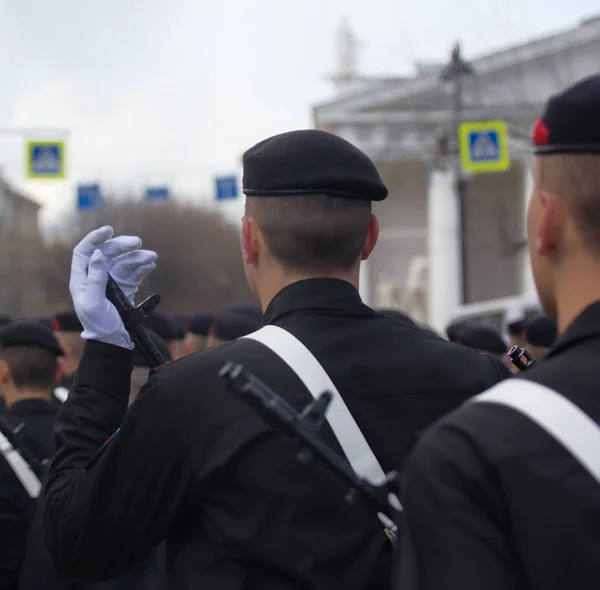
(92, 259)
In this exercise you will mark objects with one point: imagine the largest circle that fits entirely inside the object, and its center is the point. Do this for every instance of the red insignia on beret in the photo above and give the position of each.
(56, 325)
(541, 133)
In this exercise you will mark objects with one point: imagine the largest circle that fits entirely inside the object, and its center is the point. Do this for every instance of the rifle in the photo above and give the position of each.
(133, 318)
(521, 358)
(304, 427)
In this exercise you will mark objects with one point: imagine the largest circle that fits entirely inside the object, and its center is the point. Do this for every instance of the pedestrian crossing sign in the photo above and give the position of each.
(45, 159)
(484, 146)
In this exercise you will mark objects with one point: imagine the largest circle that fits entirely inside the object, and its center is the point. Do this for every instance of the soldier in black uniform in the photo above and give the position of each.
(67, 329)
(194, 464)
(504, 494)
(229, 325)
(28, 370)
(198, 329)
(541, 333)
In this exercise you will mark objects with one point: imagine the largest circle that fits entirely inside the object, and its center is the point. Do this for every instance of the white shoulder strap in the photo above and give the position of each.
(316, 380)
(61, 394)
(20, 467)
(556, 414)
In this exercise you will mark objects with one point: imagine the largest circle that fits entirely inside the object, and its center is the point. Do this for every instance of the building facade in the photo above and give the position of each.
(403, 125)
(21, 291)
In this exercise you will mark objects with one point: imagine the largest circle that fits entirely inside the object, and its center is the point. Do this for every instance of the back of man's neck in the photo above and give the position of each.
(577, 291)
(23, 395)
(282, 281)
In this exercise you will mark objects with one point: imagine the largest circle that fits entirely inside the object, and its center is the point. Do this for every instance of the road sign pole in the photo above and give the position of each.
(454, 72)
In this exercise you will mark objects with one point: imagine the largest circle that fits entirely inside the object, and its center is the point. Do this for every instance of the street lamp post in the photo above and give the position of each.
(454, 73)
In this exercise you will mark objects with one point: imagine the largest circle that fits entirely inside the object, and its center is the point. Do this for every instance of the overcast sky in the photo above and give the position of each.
(173, 91)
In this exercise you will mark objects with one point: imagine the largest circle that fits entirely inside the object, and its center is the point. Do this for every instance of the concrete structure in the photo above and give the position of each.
(401, 124)
(21, 291)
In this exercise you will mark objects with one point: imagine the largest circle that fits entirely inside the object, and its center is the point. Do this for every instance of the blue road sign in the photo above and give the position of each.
(226, 187)
(45, 159)
(157, 193)
(484, 146)
(88, 196)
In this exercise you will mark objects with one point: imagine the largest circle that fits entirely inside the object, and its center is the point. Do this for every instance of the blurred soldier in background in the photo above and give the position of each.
(67, 330)
(163, 326)
(228, 325)
(503, 494)
(198, 330)
(194, 464)
(540, 336)
(247, 309)
(180, 330)
(485, 340)
(28, 371)
(516, 333)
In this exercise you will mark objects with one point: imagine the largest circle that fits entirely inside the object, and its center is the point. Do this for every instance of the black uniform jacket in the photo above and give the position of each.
(493, 501)
(34, 419)
(193, 464)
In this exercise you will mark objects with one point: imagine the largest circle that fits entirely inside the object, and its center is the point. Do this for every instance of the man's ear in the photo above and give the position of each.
(64, 344)
(371, 238)
(4, 373)
(551, 223)
(59, 372)
(250, 240)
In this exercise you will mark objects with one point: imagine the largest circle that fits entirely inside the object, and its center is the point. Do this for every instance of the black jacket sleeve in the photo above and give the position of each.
(453, 537)
(118, 476)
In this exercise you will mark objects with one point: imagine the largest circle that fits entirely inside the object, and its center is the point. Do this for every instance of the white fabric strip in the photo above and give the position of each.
(556, 414)
(316, 380)
(20, 467)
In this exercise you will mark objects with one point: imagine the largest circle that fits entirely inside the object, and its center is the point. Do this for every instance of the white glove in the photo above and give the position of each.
(92, 258)
(130, 269)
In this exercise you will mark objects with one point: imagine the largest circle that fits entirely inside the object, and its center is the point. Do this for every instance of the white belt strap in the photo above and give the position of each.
(556, 414)
(61, 394)
(20, 467)
(316, 380)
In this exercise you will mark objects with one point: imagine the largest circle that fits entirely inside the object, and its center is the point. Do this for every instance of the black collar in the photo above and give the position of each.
(324, 294)
(27, 407)
(585, 326)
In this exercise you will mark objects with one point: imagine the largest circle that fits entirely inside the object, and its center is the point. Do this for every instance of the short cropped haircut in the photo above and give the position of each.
(30, 366)
(312, 233)
(576, 179)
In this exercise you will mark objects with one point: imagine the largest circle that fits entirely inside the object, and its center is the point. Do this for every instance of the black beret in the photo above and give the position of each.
(140, 361)
(455, 329)
(228, 325)
(5, 319)
(67, 321)
(162, 325)
(48, 322)
(517, 327)
(482, 338)
(247, 309)
(541, 331)
(571, 121)
(200, 324)
(29, 333)
(310, 162)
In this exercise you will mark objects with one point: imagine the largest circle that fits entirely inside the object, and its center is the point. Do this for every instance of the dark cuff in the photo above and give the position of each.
(105, 367)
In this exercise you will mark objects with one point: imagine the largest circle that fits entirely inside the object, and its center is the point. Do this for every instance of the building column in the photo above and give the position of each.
(444, 264)
(527, 282)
